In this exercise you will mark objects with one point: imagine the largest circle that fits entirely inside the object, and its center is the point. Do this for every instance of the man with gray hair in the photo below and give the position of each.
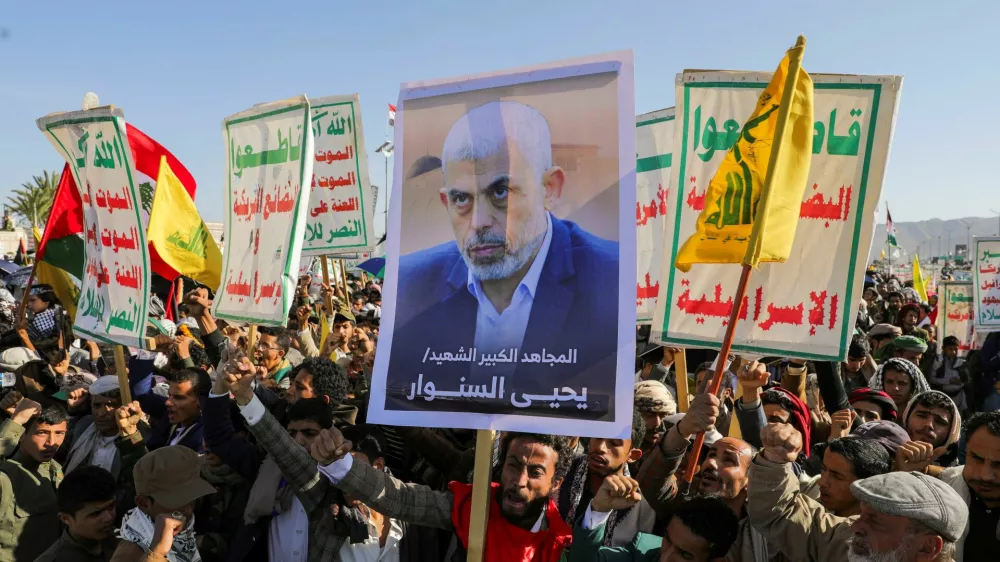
(905, 516)
(515, 277)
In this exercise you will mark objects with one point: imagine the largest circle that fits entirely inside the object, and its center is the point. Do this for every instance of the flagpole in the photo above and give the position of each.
(720, 369)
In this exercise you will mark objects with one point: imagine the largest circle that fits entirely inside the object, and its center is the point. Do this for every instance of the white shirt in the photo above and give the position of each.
(288, 533)
(370, 551)
(495, 330)
(593, 518)
(104, 451)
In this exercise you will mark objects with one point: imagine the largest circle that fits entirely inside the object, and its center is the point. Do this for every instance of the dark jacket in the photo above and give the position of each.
(575, 293)
(141, 383)
(68, 550)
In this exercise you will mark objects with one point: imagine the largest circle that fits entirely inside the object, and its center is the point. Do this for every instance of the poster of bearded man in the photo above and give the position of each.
(509, 296)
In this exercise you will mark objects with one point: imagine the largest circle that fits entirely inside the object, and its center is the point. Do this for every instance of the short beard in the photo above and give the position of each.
(510, 262)
(895, 555)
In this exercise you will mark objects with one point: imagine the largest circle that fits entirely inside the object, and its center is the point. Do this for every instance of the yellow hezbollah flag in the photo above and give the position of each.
(918, 279)
(61, 282)
(752, 204)
(178, 233)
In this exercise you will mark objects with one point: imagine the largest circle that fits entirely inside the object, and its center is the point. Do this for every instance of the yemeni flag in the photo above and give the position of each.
(890, 230)
(63, 244)
(392, 115)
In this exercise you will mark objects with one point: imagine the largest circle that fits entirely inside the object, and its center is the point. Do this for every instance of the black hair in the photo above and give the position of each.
(282, 337)
(772, 396)
(711, 519)
(328, 378)
(926, 308)
(86, 484)
(638, 428)
(359, 295)
(867, 456)
(52, 355)
(46, 294)
(198, 377)
(893, 294)
(53, 414)
(950, 341)
(310, 409)
(558, 444)
(183, 308)
(198, 355)
(366, 439)
(860, 348)
(989, 420)
(932, 400)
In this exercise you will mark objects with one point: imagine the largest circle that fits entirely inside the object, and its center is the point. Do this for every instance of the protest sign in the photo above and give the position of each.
(526, 179)
(805, 307)
(114, 291)
(986, 283)
(341, 204)
(654, 138)
(268, 160)
(955, 314)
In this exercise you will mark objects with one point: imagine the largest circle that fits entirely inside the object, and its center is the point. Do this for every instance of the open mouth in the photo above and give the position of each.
(597, 461)
(514, 501)
(709, 481)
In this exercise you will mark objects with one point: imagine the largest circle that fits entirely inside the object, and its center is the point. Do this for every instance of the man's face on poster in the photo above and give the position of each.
(497, 205)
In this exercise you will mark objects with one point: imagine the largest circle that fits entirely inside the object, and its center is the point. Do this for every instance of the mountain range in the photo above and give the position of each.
(933, 237)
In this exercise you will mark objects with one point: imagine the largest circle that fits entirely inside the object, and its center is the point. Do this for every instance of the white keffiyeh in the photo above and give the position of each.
(138, 528)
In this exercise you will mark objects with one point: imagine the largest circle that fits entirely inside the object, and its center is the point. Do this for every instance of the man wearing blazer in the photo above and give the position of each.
(516, 280)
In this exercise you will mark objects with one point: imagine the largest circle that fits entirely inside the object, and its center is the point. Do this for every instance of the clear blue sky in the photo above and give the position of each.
(178, 68)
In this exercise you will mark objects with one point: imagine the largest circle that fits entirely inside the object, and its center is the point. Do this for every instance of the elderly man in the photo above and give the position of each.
(904, 516)
(516, 278)
(654, 403)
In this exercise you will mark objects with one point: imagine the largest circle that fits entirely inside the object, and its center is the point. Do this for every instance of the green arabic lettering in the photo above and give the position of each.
(845, 145)
(819, 134)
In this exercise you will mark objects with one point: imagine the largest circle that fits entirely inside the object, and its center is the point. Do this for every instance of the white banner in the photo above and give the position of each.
(654, 140)
(341, 202)
(955, 314)
(986, 282)
(806, 307)
(268, 160)
(114, 292)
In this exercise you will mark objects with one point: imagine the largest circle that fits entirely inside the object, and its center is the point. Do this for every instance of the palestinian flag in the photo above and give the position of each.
(21, 257)
(64, 229)
(64, 255)
(890, 230)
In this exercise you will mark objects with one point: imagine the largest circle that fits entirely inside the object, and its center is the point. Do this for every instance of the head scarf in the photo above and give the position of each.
(903, 366)
(652, 397)
(880, 398)
(954, 432)
(801, 420)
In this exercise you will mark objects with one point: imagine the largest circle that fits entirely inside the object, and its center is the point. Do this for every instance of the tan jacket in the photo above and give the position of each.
(793, 523)
(131, 552)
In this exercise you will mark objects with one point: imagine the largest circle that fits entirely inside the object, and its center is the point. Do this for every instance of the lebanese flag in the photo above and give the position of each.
(65, 224)
(392, 115)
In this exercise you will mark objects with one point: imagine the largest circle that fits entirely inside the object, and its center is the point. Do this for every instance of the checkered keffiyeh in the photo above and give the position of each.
(42, 325)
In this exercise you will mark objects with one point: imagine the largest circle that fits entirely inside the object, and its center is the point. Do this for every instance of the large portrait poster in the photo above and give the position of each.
(986, 283)
(341, 201)
(806, 307)
(509, 300)
(114, 291)
(654, 137)
(955, 317)
(269, 158)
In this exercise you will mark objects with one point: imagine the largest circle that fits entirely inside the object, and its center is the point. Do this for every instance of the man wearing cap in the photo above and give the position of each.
(161, 526)
(905, 517)
(881, 334)
(654, 403)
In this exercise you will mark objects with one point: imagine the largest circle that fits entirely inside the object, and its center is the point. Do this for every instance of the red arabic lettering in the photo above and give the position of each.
(647, 292)
(97, 270)
(705, 307)
(815, 208)
(129, 277)
(694, 200)
(782, 315)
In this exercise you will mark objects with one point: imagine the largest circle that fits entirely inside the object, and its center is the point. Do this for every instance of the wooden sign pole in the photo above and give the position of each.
(681, 375)
(343, 276)
(251, 341)
(480, 495)
(327, 298)
(121, 369)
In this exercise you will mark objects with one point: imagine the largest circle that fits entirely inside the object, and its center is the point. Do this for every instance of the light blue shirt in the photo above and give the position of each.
(495, 330)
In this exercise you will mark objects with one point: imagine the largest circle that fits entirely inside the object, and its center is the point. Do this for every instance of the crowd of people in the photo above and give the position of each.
(227, 452)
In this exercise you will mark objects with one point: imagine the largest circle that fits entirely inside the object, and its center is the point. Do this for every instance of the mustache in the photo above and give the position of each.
(485, 239)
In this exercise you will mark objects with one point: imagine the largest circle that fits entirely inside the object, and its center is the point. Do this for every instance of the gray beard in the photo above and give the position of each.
(509, 264)
(895, 555)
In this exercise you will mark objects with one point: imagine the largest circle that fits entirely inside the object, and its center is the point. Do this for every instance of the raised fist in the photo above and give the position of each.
(782, 443)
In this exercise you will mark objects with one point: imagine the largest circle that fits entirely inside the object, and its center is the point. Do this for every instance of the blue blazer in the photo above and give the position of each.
(575, 307)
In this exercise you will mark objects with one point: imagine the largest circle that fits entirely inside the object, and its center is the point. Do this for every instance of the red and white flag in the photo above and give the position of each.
(392, 115)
